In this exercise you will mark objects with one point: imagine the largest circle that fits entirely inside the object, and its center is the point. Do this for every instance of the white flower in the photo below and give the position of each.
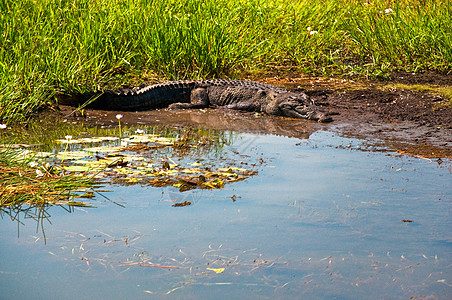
(33, 164)
(39, 173)
(3, 126)
(119, 116)
(388, 11)
(139, 131)
(68, 137)
(312, 32)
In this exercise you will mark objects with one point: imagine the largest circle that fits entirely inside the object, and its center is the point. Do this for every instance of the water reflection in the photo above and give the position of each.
(39, 214)
(217, 119)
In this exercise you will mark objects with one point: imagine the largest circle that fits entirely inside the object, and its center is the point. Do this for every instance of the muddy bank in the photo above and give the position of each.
(407, 121)
(410, 121)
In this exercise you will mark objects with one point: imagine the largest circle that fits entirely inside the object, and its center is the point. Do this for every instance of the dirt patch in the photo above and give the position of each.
(431, 78)
(406, 121)
(414, 122)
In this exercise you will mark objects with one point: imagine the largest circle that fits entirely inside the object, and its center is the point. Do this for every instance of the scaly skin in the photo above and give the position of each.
(232, 94)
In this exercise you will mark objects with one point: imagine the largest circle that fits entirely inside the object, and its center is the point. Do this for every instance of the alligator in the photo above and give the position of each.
(232, 94)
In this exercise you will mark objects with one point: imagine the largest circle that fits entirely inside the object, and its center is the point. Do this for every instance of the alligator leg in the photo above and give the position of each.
(199, 98)
(247, 106)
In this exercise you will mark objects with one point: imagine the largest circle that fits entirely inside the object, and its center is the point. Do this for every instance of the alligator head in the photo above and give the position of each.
(298, 106)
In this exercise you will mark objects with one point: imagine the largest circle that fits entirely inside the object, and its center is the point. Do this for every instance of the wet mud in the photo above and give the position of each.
(407, 121)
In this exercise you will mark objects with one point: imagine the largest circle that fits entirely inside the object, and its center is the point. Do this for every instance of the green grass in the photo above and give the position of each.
(51, 47)
(31, 181)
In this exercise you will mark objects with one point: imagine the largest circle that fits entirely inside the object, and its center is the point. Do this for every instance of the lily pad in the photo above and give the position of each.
(149, 138)
(43, 154)
(99, 139)
(72, 155)
(103, 149)
(76, 168)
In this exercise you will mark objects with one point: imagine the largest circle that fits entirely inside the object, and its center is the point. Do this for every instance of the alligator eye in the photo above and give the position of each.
(262, 93)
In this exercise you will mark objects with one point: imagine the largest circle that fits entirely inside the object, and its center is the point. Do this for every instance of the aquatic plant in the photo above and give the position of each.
(34, 182)
(153, 159)
(183, 158)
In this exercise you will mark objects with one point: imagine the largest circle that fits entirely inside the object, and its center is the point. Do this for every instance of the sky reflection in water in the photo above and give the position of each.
(318, 221)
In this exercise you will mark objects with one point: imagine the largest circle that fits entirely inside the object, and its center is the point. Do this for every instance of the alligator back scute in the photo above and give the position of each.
(147, 97)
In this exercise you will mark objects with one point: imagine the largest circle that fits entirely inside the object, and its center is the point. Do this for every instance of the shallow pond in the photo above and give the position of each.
(322, 219)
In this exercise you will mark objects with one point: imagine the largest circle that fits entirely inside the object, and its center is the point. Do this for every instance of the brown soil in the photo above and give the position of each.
(406, 121)
(402, 116)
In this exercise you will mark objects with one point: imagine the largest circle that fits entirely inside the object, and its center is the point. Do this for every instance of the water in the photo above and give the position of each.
(322, 220)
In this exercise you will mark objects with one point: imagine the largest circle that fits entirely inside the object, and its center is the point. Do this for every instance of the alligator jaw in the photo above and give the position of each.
(322, 117)
(305, 112)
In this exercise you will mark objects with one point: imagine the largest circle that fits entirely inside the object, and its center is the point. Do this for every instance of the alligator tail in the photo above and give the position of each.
(142, 98)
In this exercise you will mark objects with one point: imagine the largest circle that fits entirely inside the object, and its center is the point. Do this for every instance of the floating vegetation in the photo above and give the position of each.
(151, 159)
(183, 158)
(180, 204)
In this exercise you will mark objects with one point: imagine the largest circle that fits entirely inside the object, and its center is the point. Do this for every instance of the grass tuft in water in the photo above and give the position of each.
(33, 182)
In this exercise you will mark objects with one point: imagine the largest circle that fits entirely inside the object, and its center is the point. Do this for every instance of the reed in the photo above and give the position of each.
(30, 181)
